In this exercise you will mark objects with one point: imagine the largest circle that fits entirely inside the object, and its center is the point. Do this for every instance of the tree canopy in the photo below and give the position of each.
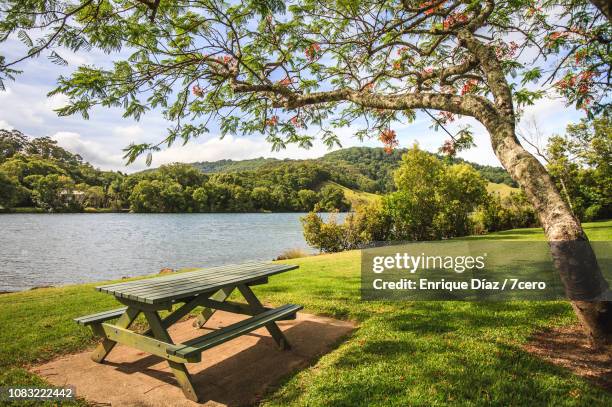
(297, 70)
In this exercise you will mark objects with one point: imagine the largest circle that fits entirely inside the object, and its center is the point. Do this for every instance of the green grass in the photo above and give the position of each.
(502, 189)
(418, 353)
(355, 197)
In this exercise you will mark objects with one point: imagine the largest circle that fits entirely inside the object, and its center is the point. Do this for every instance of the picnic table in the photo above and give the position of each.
(208, 288)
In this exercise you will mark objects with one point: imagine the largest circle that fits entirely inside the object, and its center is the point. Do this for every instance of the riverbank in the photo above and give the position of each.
(426, 353)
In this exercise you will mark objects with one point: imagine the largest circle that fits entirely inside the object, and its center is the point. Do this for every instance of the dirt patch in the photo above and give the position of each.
(568, 347)
(236, 373)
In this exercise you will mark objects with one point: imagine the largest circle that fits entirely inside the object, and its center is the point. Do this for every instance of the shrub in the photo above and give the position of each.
(294, 253)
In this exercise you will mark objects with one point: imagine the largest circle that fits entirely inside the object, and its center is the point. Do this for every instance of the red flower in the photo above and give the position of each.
(312, 51)
(446, 117)
(389, 139)
(469, 86)
(286, 82)
(448, 148)
(198, 91)
(273, 121)
(431, 8)
(453, 19)
(552, 39)
(295, 121)
(580, 55)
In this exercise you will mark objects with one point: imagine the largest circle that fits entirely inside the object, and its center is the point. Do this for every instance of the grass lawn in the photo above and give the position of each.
(417, 353)
(502, 189)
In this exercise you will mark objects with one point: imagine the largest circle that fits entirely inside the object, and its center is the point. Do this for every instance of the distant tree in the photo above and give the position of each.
(308, 199)
(11, 143)
(53, 192)
(184, 174)
(94, 196)
(332, 198)
(433, 200)
(200, 198)
(145, 197)
(9, 191)
(261, 198)
(47, 148)
(581, 162)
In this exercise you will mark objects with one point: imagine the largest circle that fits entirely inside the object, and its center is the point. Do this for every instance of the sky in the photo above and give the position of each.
(24, 106)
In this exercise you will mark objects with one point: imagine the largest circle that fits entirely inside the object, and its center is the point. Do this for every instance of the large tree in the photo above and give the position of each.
(299, 70)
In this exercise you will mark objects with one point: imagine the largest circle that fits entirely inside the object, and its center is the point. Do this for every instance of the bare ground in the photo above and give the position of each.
(568, 347)
(236, 373)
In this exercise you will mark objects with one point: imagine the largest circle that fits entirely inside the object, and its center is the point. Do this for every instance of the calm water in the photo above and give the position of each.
(40, 250)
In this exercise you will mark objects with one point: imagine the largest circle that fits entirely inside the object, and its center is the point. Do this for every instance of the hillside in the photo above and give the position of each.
(368, 169)
(209, 167)
(502, 189)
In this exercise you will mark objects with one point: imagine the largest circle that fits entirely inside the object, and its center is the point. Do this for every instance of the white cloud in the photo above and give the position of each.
(131, 133)
(93, 152)
(5, 125)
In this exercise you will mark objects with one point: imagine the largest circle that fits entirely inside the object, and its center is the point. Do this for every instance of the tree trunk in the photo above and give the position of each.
(572, 254)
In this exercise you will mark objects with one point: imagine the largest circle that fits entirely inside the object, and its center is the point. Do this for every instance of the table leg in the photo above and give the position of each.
(179, 369)
(257, 307)
(104, 348)
(206, 313)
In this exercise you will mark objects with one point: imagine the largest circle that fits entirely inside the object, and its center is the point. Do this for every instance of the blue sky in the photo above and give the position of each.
(100, 140)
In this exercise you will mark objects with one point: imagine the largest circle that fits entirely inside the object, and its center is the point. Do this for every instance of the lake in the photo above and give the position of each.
(56, 249)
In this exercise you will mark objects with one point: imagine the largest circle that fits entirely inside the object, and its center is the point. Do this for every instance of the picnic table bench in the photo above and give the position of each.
(208, 288)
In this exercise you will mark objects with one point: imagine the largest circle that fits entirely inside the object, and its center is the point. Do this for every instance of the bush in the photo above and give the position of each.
(294, 253)
(368, 224)
(510, 212)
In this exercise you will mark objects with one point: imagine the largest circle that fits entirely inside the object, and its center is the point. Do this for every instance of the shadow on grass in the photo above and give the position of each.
(439, 353)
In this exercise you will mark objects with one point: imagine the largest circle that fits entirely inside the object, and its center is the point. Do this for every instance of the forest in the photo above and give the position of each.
(36, 174)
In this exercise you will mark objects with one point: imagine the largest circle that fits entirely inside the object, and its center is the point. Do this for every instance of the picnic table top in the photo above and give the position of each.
(168, 288)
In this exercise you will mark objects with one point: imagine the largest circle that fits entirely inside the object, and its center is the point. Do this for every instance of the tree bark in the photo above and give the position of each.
(605, 7)
(571, 251)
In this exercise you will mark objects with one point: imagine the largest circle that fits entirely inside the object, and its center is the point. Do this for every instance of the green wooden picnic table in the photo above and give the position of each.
(208, 288)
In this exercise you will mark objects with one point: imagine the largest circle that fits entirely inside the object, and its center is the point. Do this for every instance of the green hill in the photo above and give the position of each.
(209, 167)
(368, 169)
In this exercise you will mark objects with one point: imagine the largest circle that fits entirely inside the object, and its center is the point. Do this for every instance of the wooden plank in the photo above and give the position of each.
(208, 312)
(158, 283)
(144, 292)
(237, 308)
(180, 275)
(173, 294)
(146, 307)
(107, 345)
(257, 307)
(179, 369)
(198, 345)
(100, 316)
(203, 272)
(144, 343)
(190, 288)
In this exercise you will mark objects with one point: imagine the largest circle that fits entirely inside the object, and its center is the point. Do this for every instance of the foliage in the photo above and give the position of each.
(433, 200)
(503, 213)
(9, 191)
(293, 73)
(48, 176)
(366, 225)
(581, 164)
